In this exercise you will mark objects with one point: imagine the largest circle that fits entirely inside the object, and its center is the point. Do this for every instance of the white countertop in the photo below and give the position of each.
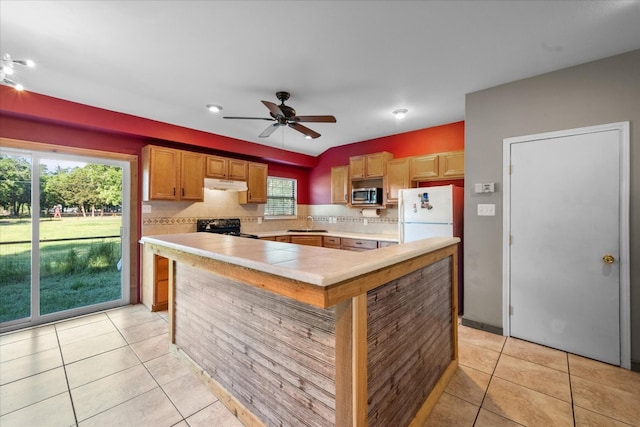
(310, 264)
(380, 237)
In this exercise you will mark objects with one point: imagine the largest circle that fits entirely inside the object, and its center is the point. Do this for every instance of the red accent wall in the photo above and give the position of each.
(449, 137)
(33, 117)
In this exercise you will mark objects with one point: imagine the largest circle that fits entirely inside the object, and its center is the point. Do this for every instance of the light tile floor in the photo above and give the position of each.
(114, 369)
(107, 369)
(509, 382)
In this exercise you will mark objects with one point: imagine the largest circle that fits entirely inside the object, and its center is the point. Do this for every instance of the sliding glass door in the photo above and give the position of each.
(63, 240)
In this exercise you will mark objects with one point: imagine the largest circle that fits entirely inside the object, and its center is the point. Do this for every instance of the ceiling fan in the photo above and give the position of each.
(283, 115)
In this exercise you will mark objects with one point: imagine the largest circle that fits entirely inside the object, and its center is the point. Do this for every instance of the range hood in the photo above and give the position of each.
(225, 184)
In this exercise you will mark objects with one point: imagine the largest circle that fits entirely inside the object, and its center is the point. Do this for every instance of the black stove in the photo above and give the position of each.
(228, 226)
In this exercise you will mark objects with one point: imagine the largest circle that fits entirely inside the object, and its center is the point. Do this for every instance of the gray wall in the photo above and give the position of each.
(599, 92)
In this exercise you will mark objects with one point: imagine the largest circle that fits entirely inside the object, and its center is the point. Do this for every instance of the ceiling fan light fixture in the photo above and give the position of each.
(400, 113)
(214, 108)
(308, 137)
(7, 69)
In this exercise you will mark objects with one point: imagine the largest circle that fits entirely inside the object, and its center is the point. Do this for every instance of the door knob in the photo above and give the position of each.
(608, 259)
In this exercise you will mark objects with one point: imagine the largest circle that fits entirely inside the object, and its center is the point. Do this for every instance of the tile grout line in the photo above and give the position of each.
(489, 384)
(66, 377)
(573, 409)
(149, 372)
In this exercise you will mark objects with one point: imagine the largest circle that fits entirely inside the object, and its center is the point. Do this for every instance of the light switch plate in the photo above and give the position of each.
(486, 209)
(146, 208)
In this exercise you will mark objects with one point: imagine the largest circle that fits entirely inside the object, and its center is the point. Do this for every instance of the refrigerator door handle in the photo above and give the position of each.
(401, 217)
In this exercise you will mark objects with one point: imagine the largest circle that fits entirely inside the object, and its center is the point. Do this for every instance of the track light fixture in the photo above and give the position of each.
(7, 69)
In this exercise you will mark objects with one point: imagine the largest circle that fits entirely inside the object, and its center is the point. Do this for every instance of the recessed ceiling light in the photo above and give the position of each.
(214, 108)
(400, 113)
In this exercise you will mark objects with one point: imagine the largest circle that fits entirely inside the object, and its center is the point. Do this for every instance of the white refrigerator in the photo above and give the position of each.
(433, 212)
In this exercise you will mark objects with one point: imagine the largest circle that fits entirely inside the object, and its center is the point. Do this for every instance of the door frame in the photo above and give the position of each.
(129, 230)
(624, 163)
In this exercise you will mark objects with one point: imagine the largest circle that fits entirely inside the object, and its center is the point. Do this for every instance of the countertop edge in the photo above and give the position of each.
(359, 263)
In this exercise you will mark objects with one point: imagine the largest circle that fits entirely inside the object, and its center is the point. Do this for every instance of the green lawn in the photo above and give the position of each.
(72, 273)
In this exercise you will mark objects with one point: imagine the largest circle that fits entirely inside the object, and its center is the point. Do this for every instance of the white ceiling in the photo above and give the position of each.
(356, 60)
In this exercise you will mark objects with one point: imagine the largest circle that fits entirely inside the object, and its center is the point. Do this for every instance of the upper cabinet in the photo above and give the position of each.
(169, 174)
(225, 168)
(451, 165)
(340, 184)
(369, 165)
(396, 179)
(435, 167)
(257, 183)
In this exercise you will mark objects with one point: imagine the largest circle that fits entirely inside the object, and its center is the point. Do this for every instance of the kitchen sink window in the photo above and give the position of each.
(281, 198)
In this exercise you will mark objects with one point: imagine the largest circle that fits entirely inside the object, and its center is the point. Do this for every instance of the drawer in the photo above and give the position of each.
(384, 244)
(359, 243)
(285, 239)
(330, 241)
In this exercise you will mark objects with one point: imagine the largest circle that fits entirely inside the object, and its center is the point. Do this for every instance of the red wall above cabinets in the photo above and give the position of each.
(436, 139)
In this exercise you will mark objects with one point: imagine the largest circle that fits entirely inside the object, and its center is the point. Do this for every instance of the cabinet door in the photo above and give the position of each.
(396, 179)
(331, 242)
(423, 168)
(161, 283)
(340, 184)
(257, 182)
(192, 176)
(283, 239)
(237, 169)
(163, 173)
(216, 167)
(376, 165)
(357, 167)
(451, 165)
(307, 240)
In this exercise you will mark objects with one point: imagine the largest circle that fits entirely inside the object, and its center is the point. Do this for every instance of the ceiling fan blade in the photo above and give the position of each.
(268, 131)
(275, 110)
(250, 118)
(305, 130)
(317, 119)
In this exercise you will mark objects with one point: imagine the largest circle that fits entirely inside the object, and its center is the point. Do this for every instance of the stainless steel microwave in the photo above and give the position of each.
(366, 196)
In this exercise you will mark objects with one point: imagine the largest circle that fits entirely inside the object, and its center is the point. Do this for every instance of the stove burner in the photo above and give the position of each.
(227, 226)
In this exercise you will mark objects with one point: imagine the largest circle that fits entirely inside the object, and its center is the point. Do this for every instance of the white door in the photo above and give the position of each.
(564, 258)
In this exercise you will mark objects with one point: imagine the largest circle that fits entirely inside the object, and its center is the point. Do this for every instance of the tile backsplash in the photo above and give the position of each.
(180, 217)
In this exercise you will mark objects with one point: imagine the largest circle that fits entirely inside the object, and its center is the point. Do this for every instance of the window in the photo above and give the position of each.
(281, 197)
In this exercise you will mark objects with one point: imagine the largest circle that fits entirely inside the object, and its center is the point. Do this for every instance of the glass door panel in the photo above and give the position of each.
(80, 245)
(15, 237)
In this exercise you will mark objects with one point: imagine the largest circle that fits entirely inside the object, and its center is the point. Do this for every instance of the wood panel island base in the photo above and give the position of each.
(291, 335)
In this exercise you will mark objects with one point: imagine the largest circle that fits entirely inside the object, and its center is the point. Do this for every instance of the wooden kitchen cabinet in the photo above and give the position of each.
(169, 174)
(396, 178)
(369, 165)
(161, 283)
(340, 184)
(438, 166)
(423, 168)
(451, 165)
(331, 242)
(358, 245)
(257, 184)
(225, 168)
(283, 239)
(307, 240)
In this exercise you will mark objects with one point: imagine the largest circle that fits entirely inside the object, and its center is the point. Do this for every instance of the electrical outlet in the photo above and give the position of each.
(486, 209)
(365, 222)
(259, 220)
(146, 208)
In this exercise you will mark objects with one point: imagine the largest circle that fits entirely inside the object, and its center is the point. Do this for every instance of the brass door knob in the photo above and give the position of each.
(608, 259)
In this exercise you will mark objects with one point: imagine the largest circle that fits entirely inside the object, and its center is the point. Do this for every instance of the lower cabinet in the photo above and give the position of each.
(384, 244)
(358, 245)
(331, 242)
(307, 240)
(284, 239)
(161, 285)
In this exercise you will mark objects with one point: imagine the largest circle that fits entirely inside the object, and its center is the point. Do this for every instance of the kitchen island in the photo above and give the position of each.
(297, 335)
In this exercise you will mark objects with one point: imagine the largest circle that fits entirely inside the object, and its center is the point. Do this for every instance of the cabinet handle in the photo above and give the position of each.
(174, 191)
(183, 192)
